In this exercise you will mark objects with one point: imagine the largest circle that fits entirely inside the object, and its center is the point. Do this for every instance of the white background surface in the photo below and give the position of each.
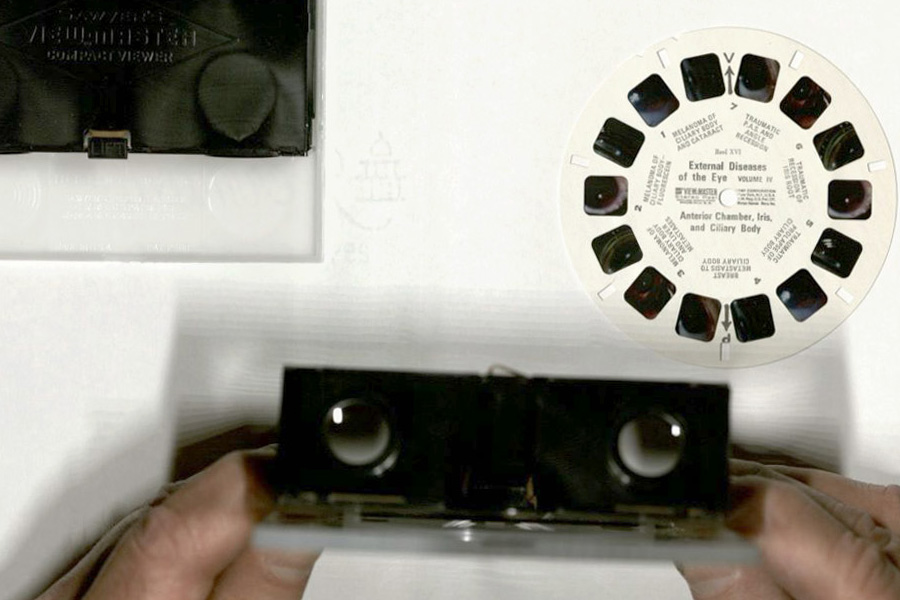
(455, 117)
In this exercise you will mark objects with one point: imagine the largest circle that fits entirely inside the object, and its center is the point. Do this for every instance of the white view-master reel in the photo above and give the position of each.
(728, 197)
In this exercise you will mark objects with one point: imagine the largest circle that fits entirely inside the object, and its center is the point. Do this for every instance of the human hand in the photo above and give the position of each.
(193, 543)
(820, 536)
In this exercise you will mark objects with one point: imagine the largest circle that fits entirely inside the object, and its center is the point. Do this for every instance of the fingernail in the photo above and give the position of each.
(289, 575)
(164, 492)
(714, 587)
(290, 570)
(882, 537)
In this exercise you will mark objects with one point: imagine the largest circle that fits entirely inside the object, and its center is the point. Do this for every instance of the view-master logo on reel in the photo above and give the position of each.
(728, 197)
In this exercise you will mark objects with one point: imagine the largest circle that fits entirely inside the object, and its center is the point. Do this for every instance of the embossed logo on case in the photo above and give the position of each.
(90, 42)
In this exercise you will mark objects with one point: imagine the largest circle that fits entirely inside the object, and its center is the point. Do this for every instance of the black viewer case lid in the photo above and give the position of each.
(219, 77)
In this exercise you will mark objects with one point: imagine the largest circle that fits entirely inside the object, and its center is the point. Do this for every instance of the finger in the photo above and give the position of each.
(856, 519)
(73, 584)
(269, 574)
(808, 552)
(882, 502)
(731, 583)
(179, 548)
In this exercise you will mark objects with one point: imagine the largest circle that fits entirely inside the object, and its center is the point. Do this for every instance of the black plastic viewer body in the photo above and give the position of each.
(499, 448)
(221, 77)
